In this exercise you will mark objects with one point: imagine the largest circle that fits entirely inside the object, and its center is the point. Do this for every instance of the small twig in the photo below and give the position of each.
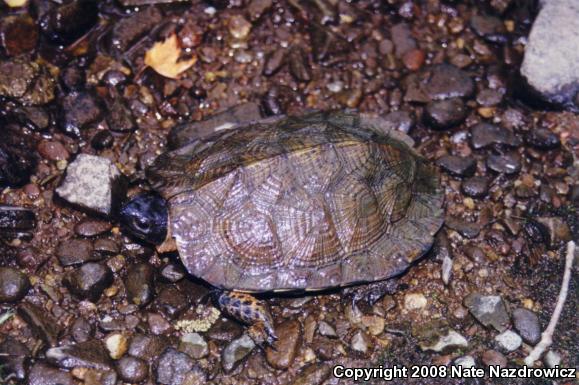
(6, 316)
(547, 336)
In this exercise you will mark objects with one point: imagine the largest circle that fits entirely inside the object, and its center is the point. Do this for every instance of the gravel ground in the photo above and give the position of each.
(83, 113)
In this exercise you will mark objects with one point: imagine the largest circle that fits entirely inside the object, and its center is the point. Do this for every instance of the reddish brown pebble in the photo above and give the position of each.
(413, 59)
(52, 150)
(32, 191)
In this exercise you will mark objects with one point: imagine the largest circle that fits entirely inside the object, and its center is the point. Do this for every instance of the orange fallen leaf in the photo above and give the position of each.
(163, 57)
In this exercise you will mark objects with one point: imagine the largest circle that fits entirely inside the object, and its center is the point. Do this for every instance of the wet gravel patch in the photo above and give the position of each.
(81, 302)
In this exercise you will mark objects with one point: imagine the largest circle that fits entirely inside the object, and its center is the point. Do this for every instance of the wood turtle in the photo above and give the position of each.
(324, 200)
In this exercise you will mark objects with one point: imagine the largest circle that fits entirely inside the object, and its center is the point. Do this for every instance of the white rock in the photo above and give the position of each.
(465, 362)
(452, 340)
(552, 53)
(117, 345)
(415, 301)
(359, 342)
(509, 340)
(552, 359)
(94, 183)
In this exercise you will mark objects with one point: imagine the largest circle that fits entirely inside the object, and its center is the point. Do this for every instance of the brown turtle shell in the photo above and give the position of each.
(319, 201)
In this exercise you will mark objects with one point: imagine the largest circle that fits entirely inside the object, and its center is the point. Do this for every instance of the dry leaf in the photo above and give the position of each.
(163, 57)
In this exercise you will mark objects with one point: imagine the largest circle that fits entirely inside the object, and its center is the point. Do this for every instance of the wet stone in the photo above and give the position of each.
(489, 310)
(173, 367)
(102, 139)
(402, 39)
(65, 23)
(36, 118)
(325, 329)
(492, 357)
(171, 302)
(18, 34)
(75, 252)
(509, 163)
(93, 183)
(42, 324)
(131, 369)
(413, 59)
(485, 134)
(476, 186)
(224, 330)
(325, 43)
(489, 97)
(89, 281)
(17, 157)
(147, 347)
(457, 165)
(466, 229)
(447, 81)
(105, 247)
(314, 374)
(81, 330)
(79, 109)
(42, 374)
(52, 150)
(73, 77)
(172, 272)
(299, 66)
(89, 354)
(15, 219)
(256, 8)
(489, 28)
(283, 352)
(127, 31)
(140, 284)
(445, 114)
(14, 357)
(542, 139)
(157, 324)
(399, 120)
(14, 285)
(236, 351)
(114, 78)
(274, 62)
(16, 76)
(194, 345)
(119, 117)
(92, 228)
(527, 324)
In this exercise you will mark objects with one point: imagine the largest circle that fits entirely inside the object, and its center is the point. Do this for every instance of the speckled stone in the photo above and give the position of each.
(93, 183)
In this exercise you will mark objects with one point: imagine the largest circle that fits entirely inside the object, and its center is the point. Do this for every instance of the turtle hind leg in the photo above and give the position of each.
(372, 292)
(247, 309)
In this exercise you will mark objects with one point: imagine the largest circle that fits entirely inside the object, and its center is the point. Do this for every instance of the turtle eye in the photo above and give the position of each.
(142, 225)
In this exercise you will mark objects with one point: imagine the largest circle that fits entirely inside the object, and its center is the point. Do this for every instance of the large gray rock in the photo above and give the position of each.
(93, 183)
(551, 56)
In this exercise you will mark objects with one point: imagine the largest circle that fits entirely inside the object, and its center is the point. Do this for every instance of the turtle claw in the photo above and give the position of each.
(262, 337)
(247, 309)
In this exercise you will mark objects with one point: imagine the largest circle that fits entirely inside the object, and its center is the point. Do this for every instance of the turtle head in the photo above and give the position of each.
(145, 217)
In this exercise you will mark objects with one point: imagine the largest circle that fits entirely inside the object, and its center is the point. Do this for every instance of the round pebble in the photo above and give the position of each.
(132, 370)
(14, 285)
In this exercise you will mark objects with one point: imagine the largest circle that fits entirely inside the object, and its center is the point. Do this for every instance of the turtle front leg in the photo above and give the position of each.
(247, 309)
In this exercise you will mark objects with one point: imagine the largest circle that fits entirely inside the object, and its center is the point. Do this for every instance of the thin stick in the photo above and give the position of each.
(547, 336)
